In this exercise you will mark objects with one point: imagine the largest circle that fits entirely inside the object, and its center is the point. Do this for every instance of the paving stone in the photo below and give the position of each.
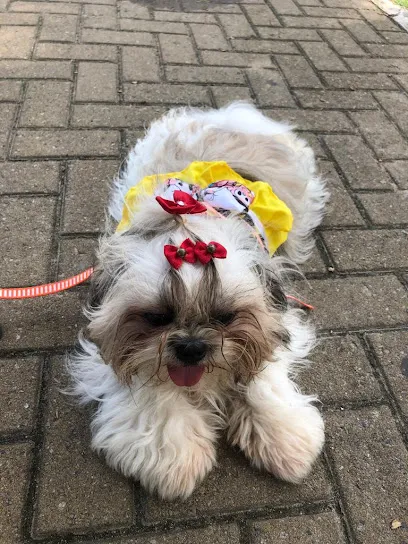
(204, 74)
(177, 48)
(285, 7)
(76, 489)
(140, 64)
(75, 255)
(164, 93)
(29, 177)
(322, 56)
(395, 37)
(358, 302)
(386, 208)
(46, 104)
(46, 7)
(236, 26)
(362, 31)
(78, 51)
(209, 37)
(358, 162)
(312, 120)
(337, 100)
(313, 141)
(388, 51)
(131, 10)
(339, 372)
(381, 134)
(311, 22)
(391, 349)
(222, 491)
(7, 113)
(27, 225)
(96, 82)
(87, 194)
(342, 42)
(153, 26)
(332, 12)
(65, 143)
(266, 46)
(380, 21)
(368, 249)
(19, 385)
(399, 172)
(396, 104)
(16, 42)
(373, 474)
(259, 14)
(390, 66)
(403, 80)
(15, 463)
(184, 17)
(270, 88)
(225, 95)
(42, 323)
(29, 69)
(314, 263)
(358, 81)
(118, 116)
(208, 6)
(98, 35)
(58, 28)
(227, 58)
(19, 19)
(303, 34)
(298, 71)
(324, 527)
(96, 16)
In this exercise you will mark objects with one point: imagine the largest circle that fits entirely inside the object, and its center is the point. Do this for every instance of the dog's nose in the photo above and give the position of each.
(190, 351)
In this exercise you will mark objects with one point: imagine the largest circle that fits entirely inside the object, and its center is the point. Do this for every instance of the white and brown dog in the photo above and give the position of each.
(190, 331)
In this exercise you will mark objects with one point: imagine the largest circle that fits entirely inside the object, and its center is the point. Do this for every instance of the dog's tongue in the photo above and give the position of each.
(185, 376)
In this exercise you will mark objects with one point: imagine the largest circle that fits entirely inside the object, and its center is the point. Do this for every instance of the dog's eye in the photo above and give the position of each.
(225, 318)
(158, 320)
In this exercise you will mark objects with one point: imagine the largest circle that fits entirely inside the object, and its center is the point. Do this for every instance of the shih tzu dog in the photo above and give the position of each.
(191, 331)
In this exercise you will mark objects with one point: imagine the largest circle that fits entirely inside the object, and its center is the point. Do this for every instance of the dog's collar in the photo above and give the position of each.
(225, 191)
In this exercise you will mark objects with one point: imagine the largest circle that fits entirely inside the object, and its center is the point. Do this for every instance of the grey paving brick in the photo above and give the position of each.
(46, 104)
(236, 26)
(19, 386)
(18, 19)
(313, 141)
(265, 46)
(386, 208)
(368, 249)
(303, 34)
(341, 13)
(343, 43)
(46, 7)
(396, 104)
(222, 491)
(381, 134)
(388, 51)
(371, 475)
(348, 100)
(395, 37)
(311, 22)
(306, 529)
(7, 114)
(323, 57)
(298, 71)
(362, 31)
(390, 66)
(78, 51)
(227, 58)
(153, 26)
(340, 372)
(15, 461)
(399, 172)
(164, 93)
(28, 69)
(208, 6)
(260, 14)
(98, 35)
(391, 349)
(226, 94)
(270, 88)
(140, 64)
(402, 80)
(58, 28)
(313, 120)
(131, 10)
(358, 162)
(380, 21)
(29, 177)
(358, 81)
(285, 7)
(87, 195)
(76, 255)
(65, 143)
(204, 74)
(358, 302)
(224, 534)
(96, 16)
(177, 48)
(16, 42)
(209, 37)
(117, 116)
(185, 17)
(27, 226)
(96, 82)
(80, 494)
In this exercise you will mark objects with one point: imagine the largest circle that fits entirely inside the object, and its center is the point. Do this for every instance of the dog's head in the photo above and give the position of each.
(218, 321)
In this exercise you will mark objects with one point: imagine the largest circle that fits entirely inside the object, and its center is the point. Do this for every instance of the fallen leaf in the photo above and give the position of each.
(395, 524)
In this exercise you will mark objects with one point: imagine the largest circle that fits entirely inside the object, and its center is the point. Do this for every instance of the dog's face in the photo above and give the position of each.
(215, 322)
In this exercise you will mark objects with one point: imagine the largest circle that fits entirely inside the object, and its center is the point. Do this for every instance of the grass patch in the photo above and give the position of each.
(402, 3)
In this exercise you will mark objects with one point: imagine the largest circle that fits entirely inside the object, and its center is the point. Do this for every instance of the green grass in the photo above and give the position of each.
(403, 3)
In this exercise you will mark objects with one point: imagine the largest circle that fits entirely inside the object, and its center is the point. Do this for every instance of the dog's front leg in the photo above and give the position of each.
(157, 436)
(277, 427)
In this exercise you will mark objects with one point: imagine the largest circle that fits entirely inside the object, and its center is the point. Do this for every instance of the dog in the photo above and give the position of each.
(190, 330)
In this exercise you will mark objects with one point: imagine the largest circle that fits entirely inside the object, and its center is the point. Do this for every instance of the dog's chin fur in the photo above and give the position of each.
(145, 425)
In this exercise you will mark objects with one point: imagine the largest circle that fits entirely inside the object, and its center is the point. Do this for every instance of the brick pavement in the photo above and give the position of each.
(78, 81)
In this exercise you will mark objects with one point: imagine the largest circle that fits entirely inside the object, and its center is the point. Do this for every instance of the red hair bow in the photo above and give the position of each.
(205, 252)
(183, 203)
(177, 255)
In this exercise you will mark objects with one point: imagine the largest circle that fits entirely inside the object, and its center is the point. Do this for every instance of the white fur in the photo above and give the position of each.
(159, 433)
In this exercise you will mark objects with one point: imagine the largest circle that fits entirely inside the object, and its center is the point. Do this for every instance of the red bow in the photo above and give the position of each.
(176, 255)
(183, 203)
(205, 252)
